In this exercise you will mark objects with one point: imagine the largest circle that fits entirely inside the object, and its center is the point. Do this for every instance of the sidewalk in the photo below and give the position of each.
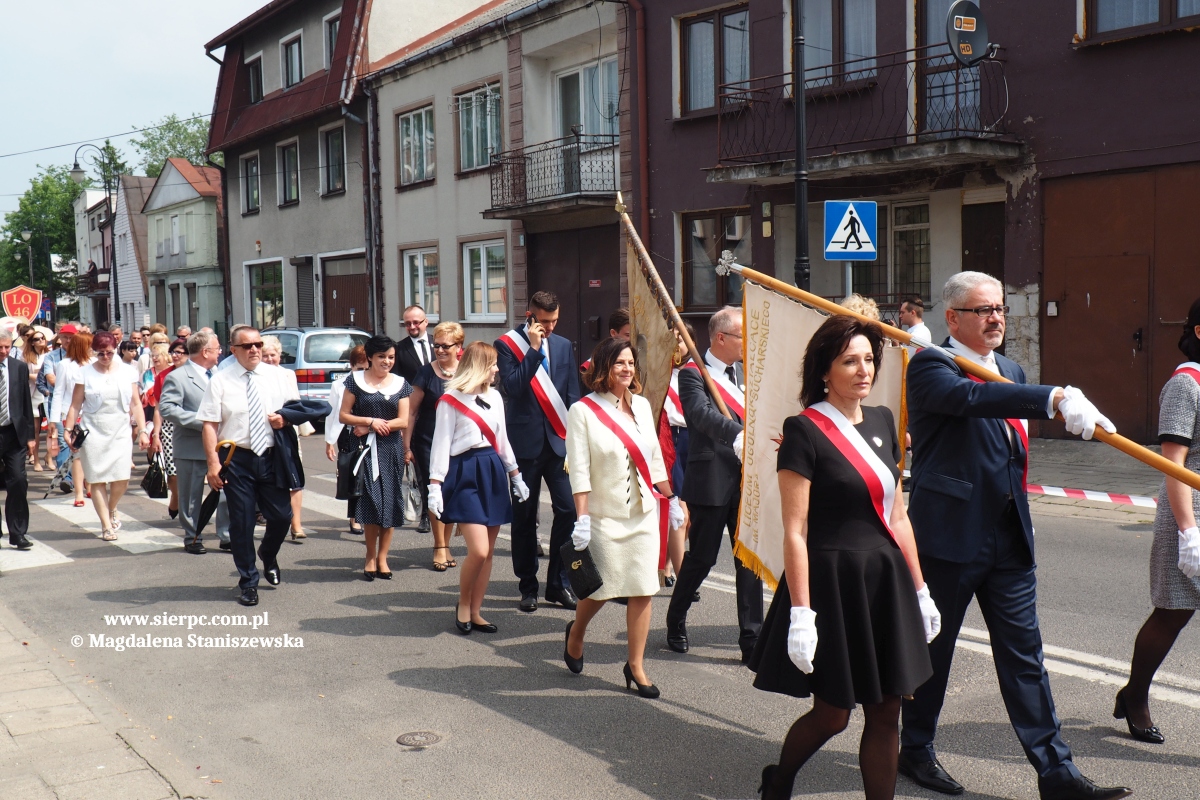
(59, 738)
(1076, 464)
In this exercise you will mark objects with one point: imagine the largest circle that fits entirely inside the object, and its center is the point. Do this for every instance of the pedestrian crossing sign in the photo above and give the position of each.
(850, 230)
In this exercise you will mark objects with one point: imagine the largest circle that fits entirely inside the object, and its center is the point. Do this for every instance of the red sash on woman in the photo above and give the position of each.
(641, 463)
(1188, 368)
(1022, 429)
(850, 443)
(466, 411)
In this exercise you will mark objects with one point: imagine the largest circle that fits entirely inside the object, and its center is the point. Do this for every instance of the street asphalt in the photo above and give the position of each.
(383, 659)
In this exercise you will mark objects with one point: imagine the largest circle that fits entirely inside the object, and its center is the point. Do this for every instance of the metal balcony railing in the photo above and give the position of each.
(578, 165)
(92, 282)
(905, 97)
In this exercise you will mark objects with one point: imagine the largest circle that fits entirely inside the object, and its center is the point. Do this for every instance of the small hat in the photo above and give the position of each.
(68, 328)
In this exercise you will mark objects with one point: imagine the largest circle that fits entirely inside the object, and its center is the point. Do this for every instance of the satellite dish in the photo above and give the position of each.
(967, 33)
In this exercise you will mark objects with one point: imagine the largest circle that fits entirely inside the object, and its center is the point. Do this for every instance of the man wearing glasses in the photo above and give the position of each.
(413, 351)
(16, 434)
(970, 514)
(712, 483)
(241, 405)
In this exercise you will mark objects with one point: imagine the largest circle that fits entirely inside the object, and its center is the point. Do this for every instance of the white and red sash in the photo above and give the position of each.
(1021, 427)
(881, 486)
(616, 422)
(543, 388)
(1188, 368)
(469, 413)
(730, 392)
(673, 405)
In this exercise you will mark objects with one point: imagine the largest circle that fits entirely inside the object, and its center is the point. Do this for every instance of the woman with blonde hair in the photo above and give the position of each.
(66, 375)
(34, 352)
(428, 388)
(470, 465)
(861, 305)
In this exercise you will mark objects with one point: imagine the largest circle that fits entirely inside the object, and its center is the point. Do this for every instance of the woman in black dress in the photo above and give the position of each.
(428, 388)
(847, 624)
(376, 406)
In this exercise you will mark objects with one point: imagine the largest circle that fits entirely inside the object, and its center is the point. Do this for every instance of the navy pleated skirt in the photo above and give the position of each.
(476, 489)
(680, 435)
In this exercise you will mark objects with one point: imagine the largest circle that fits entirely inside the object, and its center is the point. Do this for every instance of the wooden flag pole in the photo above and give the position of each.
(1127, 446)
(667, 304)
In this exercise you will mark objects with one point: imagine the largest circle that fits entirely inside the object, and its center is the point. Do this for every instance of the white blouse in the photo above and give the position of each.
(675, 416)
(333, 423)
(455, 434)
(94, 383)
(66, 375)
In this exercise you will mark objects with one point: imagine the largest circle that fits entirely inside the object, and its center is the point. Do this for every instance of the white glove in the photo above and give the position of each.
(1189, 552)
(519, 489)
(436, 506)
(581, 535)
(1080, 415)
(675, 514)
(737, 445)
(802, 638)
(931, 618)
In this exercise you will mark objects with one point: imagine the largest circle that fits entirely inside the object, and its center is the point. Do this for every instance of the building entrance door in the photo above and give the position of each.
(346, 293)
(583, 267)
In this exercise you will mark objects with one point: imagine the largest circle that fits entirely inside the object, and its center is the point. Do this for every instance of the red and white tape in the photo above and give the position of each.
(1101, 497)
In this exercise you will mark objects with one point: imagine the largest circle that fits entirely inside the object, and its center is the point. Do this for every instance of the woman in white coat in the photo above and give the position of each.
(612, 447)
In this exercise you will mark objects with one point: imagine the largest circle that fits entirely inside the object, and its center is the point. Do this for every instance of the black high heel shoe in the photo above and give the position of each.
(646, 690)
(463, 627)
(1151, 735)
(573, 664)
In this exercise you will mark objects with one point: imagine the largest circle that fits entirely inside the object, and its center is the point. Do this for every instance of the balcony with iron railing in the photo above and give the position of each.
(571, 173)
(94, 281)
(909, 109)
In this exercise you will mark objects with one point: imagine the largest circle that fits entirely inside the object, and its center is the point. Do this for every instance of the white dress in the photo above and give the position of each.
(625, 540)
(108, 450)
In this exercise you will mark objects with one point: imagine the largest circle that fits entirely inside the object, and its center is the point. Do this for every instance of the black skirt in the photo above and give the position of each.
(870, 638)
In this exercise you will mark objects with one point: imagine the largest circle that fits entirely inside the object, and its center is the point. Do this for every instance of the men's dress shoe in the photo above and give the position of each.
(249, 597)
(528, 603)
(195, 548)
(541, 551)
(21, 543)
(226, 546)
(564, 597)
(677, 638)
(930, 774)
(1082, 789)
(272, 575)
(423, 525)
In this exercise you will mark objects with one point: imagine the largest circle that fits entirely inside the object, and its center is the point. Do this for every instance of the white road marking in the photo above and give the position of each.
(40, 556)
(134, 536)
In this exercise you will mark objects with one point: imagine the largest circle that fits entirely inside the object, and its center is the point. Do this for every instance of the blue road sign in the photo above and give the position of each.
(850, 230)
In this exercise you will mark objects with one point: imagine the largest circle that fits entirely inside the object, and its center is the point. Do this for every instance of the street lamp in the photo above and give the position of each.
(17, 256)
(78, 174)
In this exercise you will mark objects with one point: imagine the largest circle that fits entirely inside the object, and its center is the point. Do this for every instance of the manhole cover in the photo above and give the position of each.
(418, 739)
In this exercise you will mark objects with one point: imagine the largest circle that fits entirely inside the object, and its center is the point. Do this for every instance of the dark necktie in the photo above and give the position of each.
(424, 351)
(208, 372)
(729, 373)
(5, 417)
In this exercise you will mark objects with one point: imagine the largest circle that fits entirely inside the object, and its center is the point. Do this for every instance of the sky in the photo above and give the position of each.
(74, 71)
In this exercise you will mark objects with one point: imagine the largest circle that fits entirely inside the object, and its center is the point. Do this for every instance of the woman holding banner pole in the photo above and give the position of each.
(848, 623)
(470, 465)
(620, 485)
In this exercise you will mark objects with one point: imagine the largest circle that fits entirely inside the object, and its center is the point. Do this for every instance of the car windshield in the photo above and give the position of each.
(323, 348)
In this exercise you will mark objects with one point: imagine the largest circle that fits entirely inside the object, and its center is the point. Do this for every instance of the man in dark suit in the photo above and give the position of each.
(540, 381)
(970, 514)
(712, 483)
(16, 434)
(413, 351)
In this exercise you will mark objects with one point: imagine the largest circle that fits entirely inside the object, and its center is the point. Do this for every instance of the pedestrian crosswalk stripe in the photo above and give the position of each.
(134, 536)
(41, 555)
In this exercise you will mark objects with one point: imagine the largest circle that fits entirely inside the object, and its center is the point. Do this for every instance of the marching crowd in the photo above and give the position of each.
(465, 435)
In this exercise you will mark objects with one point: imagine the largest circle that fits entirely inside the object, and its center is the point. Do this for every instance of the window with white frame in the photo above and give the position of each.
(333, 158)
(292, 61)
(478, 127)
(423, 281)
(331, 34)
(417, 152)
(485, 278)
(254, 78)
(289, 173)
(250, 184)
(903, 256)
(588, 97)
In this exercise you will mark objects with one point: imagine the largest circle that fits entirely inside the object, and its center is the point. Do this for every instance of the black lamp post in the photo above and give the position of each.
(79, 175)
(27, 235)
(803, 272)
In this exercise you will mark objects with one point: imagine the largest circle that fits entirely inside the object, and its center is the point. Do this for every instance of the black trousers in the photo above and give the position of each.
(250, 486)
(16, 500)
(704, 545)
(546, 467)
(1003, 578)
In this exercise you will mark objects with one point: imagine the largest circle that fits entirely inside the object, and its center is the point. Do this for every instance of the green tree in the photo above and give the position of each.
(46, 211)
(111, 164)
(172, 137)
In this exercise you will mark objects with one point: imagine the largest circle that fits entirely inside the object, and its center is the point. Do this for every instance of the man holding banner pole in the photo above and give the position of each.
(540, 381)
(970, 514)
(712, 482)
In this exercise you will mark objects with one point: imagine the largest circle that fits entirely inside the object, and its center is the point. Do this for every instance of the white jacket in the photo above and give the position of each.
(600, 464)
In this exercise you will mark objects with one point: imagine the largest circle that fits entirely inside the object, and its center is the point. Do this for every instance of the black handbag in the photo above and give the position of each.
(154, 483)
(79, 434)
(585, 578)
(349, 485)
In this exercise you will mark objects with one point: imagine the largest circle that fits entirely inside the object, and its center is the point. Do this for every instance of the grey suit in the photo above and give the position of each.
(182, 391)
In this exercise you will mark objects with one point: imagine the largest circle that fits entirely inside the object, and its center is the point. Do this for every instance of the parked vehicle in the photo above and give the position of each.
(319, 356)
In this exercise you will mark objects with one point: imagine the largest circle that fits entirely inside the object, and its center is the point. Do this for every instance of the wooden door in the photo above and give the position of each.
(983, 238)
(582, 266)
(346, 293)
